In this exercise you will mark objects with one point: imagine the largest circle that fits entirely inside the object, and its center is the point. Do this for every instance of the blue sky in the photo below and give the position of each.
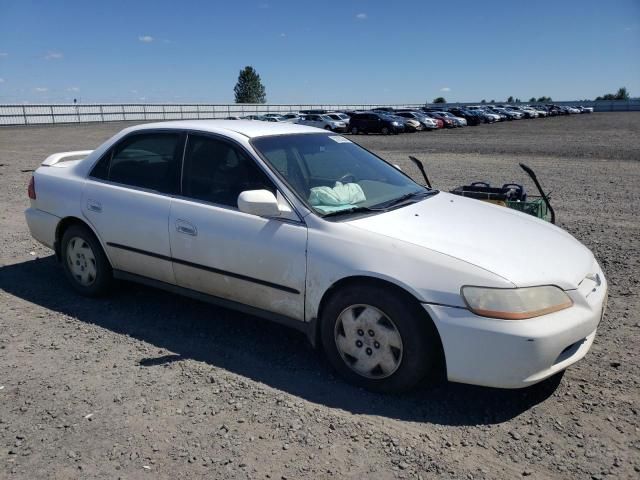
(317, 51)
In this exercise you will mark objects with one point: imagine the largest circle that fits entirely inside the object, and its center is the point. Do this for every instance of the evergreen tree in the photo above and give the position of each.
(510, 99)
(622, 94)
(249, 88)
(439, 100)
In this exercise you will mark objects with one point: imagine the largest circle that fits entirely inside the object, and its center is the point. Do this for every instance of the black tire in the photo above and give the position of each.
(420, 346)
(103, 273)
(327, 127)
(385, 131)
(354, 131)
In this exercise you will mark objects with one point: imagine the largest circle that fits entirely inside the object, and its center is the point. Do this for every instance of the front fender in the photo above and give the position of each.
(337, 251)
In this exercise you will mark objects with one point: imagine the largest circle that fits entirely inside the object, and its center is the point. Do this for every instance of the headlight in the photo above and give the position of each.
(397, 124)
(515, 303)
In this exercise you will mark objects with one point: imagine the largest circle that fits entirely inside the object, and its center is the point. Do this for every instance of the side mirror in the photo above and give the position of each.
(262, 203)
(397, 166)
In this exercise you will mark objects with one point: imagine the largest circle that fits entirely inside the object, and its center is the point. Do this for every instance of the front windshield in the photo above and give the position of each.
(332, 174)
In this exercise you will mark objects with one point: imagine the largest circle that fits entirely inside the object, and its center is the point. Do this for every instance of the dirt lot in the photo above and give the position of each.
(148, 385)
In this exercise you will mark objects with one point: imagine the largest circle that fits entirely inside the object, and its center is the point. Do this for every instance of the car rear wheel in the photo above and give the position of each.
(354, 131)
(377, 339)
(385, 130)
(84, 262)
(327, 127)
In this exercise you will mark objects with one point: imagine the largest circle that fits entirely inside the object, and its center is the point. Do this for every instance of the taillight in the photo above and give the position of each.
(32, 189)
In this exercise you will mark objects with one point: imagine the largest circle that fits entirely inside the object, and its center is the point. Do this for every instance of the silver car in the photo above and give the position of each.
(339, 117)
(323, 121)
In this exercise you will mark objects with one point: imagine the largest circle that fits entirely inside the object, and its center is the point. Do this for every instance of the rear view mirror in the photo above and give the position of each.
(262, 203)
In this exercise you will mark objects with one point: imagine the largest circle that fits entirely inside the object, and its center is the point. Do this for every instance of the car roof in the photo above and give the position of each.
(247, 128)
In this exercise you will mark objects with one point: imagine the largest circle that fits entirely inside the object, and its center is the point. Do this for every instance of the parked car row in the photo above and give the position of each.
(387, 120)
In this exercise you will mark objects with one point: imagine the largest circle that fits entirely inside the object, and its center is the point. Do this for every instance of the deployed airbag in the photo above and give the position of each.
(338, 197)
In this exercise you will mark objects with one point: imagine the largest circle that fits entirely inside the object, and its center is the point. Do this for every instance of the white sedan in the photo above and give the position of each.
(302, 226)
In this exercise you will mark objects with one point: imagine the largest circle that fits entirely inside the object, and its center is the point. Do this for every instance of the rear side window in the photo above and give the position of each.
(150, 161)
(217, 171)
(101, 169)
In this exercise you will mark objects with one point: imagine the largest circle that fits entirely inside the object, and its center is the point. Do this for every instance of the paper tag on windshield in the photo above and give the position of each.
(339, 139)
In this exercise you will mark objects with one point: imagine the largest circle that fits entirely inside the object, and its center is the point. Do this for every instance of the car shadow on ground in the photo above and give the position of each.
(257, 349)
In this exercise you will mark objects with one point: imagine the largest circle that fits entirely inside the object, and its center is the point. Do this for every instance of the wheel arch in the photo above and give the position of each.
(360, 280)
(67, 222)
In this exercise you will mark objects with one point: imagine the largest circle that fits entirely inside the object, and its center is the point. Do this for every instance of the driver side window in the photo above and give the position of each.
(217, 171)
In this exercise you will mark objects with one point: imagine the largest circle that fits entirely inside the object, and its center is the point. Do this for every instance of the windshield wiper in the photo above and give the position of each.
(383, 207)
(352, 210)
(407, 196)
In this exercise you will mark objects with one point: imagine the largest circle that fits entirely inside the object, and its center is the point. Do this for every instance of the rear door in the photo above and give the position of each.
(127, 200)
(221, 251)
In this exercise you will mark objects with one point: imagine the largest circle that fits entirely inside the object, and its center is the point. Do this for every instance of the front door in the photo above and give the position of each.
(223, 252)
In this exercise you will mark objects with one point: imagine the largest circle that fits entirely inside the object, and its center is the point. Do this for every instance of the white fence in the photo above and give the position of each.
(32, 114)
(38, 114)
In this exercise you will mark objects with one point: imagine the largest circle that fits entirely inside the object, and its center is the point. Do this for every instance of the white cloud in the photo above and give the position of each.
(73, 89)
(134, 91)
(145, 38)
(1, 80)
(283, 35)
(3, 54)
(41, 89)
(361, 16)
(53, 56)
(445, 89)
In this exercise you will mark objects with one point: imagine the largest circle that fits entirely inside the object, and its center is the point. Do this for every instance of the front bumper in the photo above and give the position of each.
(516, 354)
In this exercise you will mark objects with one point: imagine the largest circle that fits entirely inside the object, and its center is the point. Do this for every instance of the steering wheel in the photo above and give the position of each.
(347, 176)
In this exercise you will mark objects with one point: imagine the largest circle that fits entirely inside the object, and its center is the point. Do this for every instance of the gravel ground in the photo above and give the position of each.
(147, 384)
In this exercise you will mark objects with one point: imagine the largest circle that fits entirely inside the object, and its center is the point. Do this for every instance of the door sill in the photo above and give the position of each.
(308, 328)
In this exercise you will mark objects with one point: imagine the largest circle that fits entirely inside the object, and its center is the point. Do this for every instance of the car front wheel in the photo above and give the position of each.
(378, 339)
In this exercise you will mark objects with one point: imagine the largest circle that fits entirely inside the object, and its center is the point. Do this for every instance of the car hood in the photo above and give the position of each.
(518, 247)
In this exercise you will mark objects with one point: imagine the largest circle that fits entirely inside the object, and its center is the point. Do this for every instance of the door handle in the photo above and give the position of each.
(94, 205)
(182, 226)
